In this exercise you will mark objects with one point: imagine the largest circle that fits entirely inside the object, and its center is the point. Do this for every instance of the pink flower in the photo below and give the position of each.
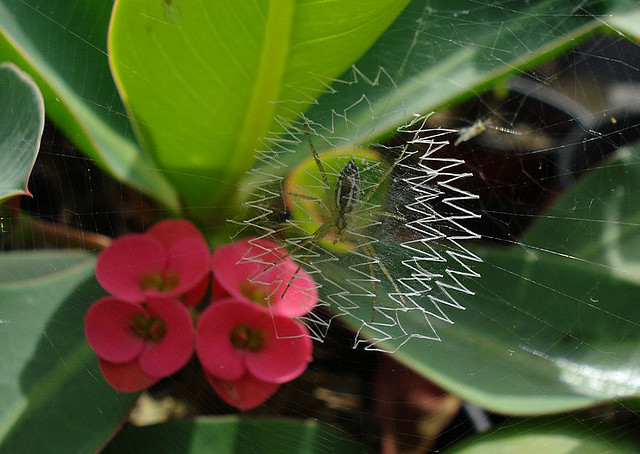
(259, 271)
(126, 377)
(245, 393)
(170, 259)
(139, 344)
(235, 337)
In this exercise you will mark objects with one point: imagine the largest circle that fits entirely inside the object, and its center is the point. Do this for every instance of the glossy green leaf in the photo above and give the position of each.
(555, 322)
(559, 436)
(21, 125)
(52, 395)
(437, 54)
(627, 22)
(204, 80)
(545, 331)
(234, 435)
(62, 45)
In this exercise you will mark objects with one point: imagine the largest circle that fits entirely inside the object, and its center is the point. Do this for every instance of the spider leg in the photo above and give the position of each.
(397, 217)
(392, 281)
(303, 261)
(372, 272)
(304, 196)
(326, 228)
(372, 255)
(316, 157)
(320, 233)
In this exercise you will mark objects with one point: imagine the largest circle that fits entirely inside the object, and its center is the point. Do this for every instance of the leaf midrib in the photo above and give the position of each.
(268, 79)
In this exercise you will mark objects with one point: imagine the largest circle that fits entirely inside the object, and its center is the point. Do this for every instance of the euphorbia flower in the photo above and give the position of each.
(170, 259)
(245, 393)
(235, 337)
(259, 271)
(170, 230)
(139, 344)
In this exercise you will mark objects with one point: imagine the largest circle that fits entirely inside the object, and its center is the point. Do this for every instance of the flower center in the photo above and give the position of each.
(149, 328)
(256, 293)
(163, 281)
(243, 337)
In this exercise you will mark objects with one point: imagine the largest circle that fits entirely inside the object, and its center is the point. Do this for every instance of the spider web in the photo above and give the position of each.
(407, 262)
(526, 333)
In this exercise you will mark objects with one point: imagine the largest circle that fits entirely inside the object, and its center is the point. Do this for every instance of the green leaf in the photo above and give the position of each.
(545, 331)
(554, 322)
(62, 45)
(628, 22)
(21, 125)
(559, 436)
(204, 80)
(437, 54)
(234, 435)
(52, 395)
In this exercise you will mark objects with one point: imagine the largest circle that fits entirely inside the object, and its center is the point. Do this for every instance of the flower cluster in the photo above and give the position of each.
(247, 337)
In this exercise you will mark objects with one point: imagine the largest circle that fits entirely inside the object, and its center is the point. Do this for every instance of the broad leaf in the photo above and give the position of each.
(21, 125)
(52, 395)
(559, 436)
(535, 338)
(436, 55)
(553, 324)
(628, 22)
(204, 80)
(234, 435)
(62, 45)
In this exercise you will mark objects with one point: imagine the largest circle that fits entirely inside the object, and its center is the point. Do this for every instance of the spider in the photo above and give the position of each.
(340, 203)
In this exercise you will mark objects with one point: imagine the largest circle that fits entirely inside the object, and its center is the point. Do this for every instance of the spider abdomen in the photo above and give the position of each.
(347, 190)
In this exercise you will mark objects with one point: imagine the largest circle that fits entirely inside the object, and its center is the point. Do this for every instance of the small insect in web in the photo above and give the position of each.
(344, 199)
(477, 128)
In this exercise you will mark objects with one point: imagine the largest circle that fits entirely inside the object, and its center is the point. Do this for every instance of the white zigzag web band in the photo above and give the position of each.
(401, 252)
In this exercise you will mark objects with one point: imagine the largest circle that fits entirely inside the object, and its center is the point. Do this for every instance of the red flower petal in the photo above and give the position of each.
(163, 358)
(235, 263)
(286, 354)
(108, 331)
(120, 266)
(170, 230)
(245, 393)
(213, 337)
(294, 297)
(194, 296)
(218, 291)
(126, 377)
(250, 261)
(189, 258)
